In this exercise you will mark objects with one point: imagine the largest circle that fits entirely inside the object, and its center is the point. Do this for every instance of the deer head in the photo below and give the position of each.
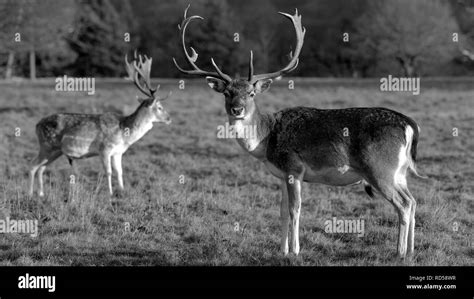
(240, 93)
(138, 71)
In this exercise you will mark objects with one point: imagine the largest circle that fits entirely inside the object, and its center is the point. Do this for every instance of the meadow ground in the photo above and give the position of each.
(226, 212)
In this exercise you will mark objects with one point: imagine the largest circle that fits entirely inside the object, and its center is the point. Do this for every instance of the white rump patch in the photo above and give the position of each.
(400, 173)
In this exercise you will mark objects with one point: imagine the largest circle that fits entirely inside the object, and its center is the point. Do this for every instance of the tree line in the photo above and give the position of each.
(345, 38)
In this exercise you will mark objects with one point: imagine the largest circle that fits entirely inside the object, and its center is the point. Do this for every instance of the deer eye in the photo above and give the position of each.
(252, 94)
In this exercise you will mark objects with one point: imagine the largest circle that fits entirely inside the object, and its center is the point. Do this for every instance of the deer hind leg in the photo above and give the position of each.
(403, 191)
(392, 186)
(44, 157)
(284, 218)
(50, 159)
(407, 200)
(403, 207)
(389, 184)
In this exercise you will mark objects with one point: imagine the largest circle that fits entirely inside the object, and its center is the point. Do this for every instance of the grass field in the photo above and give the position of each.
(227, 210)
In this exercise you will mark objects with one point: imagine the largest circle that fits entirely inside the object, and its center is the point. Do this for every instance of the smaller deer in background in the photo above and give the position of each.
(108, 135)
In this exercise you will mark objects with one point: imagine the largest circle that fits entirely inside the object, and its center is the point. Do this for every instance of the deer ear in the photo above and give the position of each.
(216, 84)
(262, 85)
(140, 100)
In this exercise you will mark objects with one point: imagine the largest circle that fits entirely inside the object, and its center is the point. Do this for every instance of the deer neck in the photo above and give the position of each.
(252, 132)
(136, 125)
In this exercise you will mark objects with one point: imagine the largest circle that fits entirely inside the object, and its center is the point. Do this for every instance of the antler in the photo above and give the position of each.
(194, 55)
(142, 67)
(300, 32)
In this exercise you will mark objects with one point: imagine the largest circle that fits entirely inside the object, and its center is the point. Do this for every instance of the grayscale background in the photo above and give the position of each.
(194, 199)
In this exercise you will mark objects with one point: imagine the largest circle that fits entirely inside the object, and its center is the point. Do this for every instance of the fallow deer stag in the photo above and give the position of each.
(303, 144)
(106, 135)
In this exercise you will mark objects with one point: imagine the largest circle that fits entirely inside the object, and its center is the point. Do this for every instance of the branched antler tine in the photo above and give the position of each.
(136, 80)
(129, 68)
(178, 67)
(251, 66)
(143, 67)
(300, 33)
(186, 11)
(194, 55)
(133, 72)
(146, 71)
(221, 74)
(296, 65)
(139, 66)
(191, 59)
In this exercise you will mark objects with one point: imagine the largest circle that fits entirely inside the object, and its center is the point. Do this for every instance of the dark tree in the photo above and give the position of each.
(259, 21)
(100, 37)
(325, 53)
(158, 32)
(35, 28)
(411, 32)
(211, 37)
(11, 14)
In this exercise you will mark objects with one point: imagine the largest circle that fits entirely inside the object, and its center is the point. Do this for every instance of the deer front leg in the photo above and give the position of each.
(284, 218)
(294, 204)
(40, 180)
(108, 170)
(117, 165)
(32, 180)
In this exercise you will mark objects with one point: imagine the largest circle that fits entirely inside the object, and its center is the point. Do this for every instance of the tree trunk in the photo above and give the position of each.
(32, 64)
(409, 69)
(9, 68)
(408, 66)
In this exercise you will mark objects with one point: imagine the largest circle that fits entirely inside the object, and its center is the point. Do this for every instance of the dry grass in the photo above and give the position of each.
(194, 223)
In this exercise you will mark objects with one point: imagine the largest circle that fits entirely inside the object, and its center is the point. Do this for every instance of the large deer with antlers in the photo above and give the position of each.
(303, 144)
(107, 135)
